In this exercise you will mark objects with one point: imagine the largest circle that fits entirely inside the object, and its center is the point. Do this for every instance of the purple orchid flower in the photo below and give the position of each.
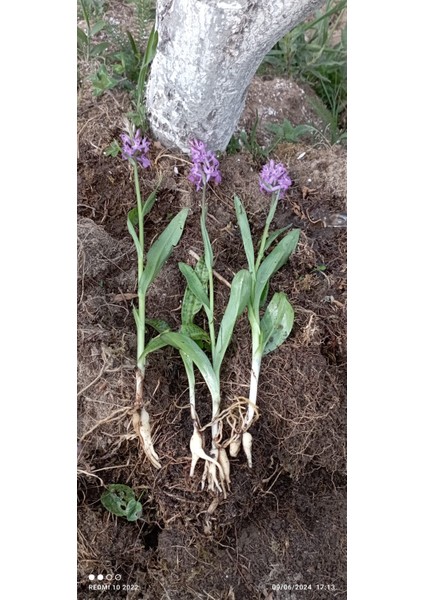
(274, 179)
(136, 147)
(205, 165)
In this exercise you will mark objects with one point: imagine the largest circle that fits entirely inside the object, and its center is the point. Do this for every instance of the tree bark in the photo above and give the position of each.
(207, 54)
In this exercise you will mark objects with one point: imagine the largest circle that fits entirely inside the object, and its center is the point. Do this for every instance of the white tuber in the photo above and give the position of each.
(247, 447)
(141, 424)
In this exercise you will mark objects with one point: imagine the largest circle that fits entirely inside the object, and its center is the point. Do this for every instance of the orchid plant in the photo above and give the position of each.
(135, 149)
(200, 294)
(275, 325)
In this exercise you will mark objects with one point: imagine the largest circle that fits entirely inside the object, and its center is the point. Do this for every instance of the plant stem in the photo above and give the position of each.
(272, 209)
(208, 262)
(257, 350)
(141, 325)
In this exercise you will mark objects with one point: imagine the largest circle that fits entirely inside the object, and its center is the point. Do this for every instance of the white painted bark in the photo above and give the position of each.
(207, 54)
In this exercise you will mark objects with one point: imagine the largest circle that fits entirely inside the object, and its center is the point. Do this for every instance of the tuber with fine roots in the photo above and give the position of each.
(235, 447)
(197, 451)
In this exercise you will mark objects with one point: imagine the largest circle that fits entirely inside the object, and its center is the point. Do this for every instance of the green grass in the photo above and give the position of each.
(316, 52)
(118, 58)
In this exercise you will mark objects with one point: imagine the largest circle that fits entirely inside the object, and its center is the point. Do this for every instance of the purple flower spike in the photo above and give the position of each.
(274, 178)
(205, 165)
(136, 147)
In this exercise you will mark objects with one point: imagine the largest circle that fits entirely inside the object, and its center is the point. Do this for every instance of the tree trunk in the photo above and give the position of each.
(207, 54)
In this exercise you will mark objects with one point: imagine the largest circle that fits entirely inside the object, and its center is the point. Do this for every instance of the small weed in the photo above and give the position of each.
(92, 11)
(285, 131)
(319, 269)
(316, 53)
(122, 59)
(233, 146)
(282, 132)
(120, 500)
(249, 140)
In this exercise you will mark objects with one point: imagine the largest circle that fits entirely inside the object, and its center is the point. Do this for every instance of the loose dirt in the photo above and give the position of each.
(281, 532)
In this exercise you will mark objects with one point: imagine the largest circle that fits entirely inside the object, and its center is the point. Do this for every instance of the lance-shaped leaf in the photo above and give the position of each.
(239, 297)
(195, 286)
(277, 322)
(147, 59)
(151, 47)
(188, 346)
(159, 325)
(246, 235)
(273, 262)
(148, 205)
(274, 235)
(195, 332)
(82, 38)
(191, 305)
(161, 249)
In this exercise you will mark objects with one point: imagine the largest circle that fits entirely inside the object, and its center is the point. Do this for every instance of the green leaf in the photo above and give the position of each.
(113, 149)
(147, 59)
(264, 295)
(97, 27)
(195, 285)
(239, 297)
(161, 249)
(133, 45)
(148, 205)
(132, 219)
(195, 332)
(158, 325)
(85, 12)
(134, 510)
(188, 346)
(277, 322)
(116, 498)
(246, 235)
(151, 47)
(188, 364)
(274, 235)
(81, 37)
(99, 48)
(273, 262)
(191, 305)
(133, 216)
(102, 81)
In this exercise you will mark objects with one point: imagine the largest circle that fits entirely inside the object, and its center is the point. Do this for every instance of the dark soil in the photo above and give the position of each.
(281, 532)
